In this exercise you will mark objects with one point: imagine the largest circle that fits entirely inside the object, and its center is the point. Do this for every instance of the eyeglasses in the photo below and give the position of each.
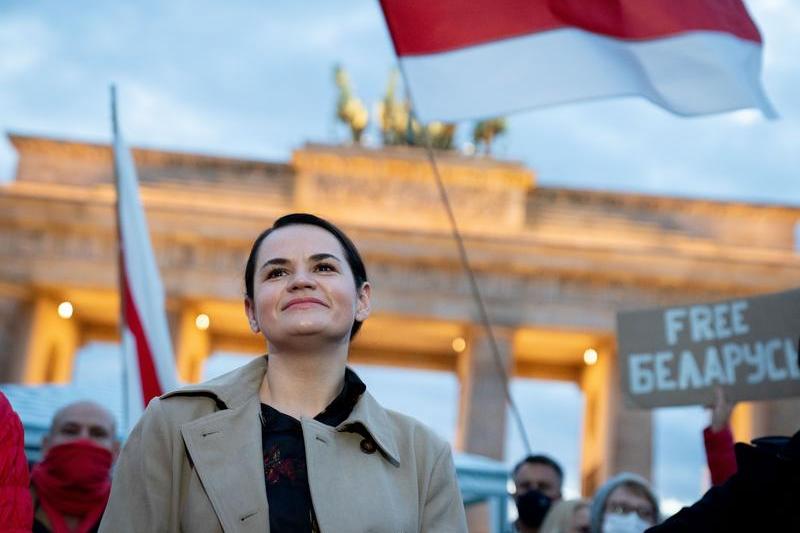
(645, 513)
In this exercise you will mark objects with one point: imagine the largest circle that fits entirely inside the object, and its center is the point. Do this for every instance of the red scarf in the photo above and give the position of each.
(73, 480)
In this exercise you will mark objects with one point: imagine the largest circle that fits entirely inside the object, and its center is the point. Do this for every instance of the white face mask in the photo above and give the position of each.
(624, 523)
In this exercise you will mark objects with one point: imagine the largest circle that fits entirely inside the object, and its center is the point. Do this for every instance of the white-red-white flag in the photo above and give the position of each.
(146, 346)
(482, 58)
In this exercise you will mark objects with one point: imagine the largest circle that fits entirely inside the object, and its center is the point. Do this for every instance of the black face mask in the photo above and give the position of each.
(532, 506)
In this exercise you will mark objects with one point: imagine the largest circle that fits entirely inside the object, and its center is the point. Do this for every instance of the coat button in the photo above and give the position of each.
(367, 446)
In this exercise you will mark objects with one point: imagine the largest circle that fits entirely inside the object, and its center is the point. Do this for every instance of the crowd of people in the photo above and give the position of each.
(625, 503)
(68, 490)
(294, 442)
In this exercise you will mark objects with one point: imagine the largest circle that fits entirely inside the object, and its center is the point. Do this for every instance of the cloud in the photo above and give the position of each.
(24, 41)
(153, 116)
(745, 117)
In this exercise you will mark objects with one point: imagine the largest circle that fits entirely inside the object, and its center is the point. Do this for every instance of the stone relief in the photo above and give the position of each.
(405, 196)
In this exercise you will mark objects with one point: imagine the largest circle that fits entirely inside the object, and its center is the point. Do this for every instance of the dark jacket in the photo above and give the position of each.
(763, 495)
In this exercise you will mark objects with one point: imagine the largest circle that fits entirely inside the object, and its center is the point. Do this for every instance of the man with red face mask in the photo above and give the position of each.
(70, 486)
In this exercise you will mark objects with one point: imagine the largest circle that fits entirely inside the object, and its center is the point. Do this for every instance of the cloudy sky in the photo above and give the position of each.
(255, 79)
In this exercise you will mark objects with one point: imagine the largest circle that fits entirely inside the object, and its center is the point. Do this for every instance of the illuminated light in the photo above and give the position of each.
(65, 310)
(590, 356)
(202, 321)
(459, 345)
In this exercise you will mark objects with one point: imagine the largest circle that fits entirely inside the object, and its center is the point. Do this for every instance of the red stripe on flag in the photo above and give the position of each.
(147, 370)
(428, 27)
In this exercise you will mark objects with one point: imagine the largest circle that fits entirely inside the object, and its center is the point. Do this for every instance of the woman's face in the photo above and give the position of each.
(303, 289)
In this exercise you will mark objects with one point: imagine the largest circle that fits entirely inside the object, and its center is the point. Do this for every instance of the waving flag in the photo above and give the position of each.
(147, 350)
(482, 58)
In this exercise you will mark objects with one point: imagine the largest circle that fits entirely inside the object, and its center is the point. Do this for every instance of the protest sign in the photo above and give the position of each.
(678, 355)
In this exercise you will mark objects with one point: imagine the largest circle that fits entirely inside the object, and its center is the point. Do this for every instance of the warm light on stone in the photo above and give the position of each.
(459, 345)
(202, 321)
(590, 356)
(65, 310)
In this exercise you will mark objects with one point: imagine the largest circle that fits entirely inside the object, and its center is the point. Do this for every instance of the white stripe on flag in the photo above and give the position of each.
(145, 290)
(135, 402)
(690, 74)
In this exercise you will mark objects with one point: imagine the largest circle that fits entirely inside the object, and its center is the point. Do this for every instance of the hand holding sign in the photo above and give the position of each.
(720, 411)
(678, 355)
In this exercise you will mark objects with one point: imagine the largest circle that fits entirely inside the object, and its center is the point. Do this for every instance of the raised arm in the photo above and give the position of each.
(718, 440)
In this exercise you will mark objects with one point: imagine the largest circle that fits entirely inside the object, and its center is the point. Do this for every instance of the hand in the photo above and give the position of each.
(720, 411)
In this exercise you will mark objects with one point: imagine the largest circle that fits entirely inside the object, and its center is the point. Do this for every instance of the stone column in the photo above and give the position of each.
(15, 318)
(50, 343)
(748, 421)
(192, 345)
(482, 405)
(782, 417)
(751, 420)
(615, 437)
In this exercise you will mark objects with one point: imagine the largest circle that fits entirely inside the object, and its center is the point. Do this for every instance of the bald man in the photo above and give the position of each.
(70, 486)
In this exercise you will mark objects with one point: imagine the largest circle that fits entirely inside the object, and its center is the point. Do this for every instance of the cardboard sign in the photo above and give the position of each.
(678, 355)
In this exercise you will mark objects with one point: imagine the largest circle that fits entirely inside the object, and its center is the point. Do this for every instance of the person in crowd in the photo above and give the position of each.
(292, 441)
(624, 504)
(762, 495)
(718, 440)
(567, 516)
(537, 484)
(70, 486)
(16, 509)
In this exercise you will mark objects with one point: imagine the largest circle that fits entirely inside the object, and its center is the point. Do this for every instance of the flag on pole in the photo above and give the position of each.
(483, 58)
(149, 364)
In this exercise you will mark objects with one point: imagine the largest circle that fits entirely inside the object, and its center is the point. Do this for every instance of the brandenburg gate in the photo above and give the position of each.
(554, 266)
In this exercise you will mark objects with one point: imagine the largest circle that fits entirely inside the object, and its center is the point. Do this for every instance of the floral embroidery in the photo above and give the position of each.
(277, 468)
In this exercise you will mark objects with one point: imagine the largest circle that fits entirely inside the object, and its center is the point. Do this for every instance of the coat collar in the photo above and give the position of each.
(232, 389)
(369, 414)
(239, 386)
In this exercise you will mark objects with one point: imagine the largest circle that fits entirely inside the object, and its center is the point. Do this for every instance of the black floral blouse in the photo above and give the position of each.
(285, 475)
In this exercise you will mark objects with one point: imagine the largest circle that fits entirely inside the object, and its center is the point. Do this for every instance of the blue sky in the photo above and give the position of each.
(246, 78)
(255, 79)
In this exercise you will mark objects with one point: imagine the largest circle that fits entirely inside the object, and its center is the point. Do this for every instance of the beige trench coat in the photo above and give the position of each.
(194, 463)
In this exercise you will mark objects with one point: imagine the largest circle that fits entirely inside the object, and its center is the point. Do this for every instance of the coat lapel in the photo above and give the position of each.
(343, 479)
(371, 416)
(226, 450)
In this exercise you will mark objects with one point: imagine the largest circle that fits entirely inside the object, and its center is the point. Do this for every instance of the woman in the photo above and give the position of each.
(624, 504)
(292, 441)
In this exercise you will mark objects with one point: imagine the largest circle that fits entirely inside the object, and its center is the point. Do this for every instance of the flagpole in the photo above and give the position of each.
(473, 282)
(120, 274)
